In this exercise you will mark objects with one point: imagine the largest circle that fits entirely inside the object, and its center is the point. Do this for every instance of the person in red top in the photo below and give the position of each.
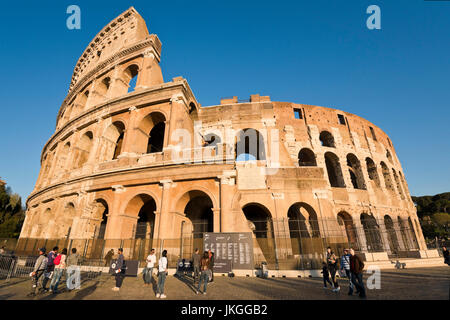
(356, 270)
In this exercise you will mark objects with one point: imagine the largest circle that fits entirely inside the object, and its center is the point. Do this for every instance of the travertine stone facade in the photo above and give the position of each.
(115, 159)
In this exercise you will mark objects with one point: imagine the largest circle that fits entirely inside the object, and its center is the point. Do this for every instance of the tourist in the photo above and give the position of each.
(2, 250)
(108, 257)
(445, 253)
(120, 270)
(148, 270)
(196, 264)
(162, 274)
(332, 268)
(50, 267)
(356, 269)
(205, 272)
(211, 265)
(325, 275)
(345, 267)
(60, 266)
(39, 268)
(73, 270)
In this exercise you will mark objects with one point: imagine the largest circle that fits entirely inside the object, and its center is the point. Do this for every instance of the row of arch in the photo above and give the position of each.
(125, 82)
(306, 157)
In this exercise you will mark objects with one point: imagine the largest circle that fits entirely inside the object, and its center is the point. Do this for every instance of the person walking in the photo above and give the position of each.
(162, 274)
(325, 275)
(108, 257)
(211, 265)
(445, 253)
(60, 266)
(50, 267)
(205, 272)
(39, 268)
(332, 268)
(148, 271)
(356, 269)
(120, 270)
(73, 270)
(345, 267)
(196, 264)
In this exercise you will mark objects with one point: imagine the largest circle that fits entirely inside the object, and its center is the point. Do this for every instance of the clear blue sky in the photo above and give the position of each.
(314, 52)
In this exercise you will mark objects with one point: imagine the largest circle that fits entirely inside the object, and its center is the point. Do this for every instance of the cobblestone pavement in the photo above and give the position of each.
(408, 284)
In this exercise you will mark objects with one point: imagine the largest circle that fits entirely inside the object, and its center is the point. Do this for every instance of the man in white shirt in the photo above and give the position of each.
(151, 260)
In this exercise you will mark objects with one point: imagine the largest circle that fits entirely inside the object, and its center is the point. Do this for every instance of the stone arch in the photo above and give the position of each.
(130, 75)
(63, 158)
(403, 181)
(250, 145)
(83, 149)
(389, 156)
(397, 182)
(112, 141)
(65, 221)
(260, 222)
(392, 235)
(103, 86)
(327, 139)
(143, 207)
(303, 222)
(387, 177)
(372, 171)
(355, 171)
(306, 158)
(334, 170)
(345, 221)
(100, 214)
(372, 233)
(151, 132)
(197, 207)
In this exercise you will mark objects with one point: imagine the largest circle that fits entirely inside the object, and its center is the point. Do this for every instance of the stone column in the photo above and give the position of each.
(161, 218)
(227, 187)
(150, 73)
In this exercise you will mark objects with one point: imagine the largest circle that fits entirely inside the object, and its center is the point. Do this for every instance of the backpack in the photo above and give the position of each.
(57, 260)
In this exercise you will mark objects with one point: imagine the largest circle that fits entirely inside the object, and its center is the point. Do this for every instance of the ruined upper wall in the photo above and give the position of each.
(128, 28)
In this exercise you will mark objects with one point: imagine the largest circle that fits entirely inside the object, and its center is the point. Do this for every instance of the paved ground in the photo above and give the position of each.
(408, 284)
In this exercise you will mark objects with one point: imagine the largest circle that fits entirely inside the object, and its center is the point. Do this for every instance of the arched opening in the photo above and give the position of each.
(387, 177)
(356, 174)
(345, 221)
(372, 171)
(143, 206)
(199, 212)
(372, 233)
(250, 145)
(327, 139)
(392, 235)
(413, 234)
(404, 234)
(334, 170)
(62, 161)
(131, 75)
(260, 222)
(389, 156)
(65, 223)
(113, 141)
(150, 133)
(403, 181)
(212, 140)
(84, 149)
(303, 225)
(306, 158)
(397, 182)
(100, 216)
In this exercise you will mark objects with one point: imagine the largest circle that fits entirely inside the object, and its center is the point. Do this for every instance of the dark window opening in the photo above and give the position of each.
(298, 114)
(341, 119)
(374, 137)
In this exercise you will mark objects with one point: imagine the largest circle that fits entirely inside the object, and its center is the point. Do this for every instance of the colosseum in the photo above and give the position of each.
(136, 161)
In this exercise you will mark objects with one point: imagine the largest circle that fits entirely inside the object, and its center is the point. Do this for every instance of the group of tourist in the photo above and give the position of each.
(52, 266)
(351, 267)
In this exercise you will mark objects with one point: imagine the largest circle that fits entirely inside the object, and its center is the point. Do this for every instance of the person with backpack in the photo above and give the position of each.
(332, 267)
(204, 272)
(39, 268)
(120, 270)
(356, 269)
(60, 266)
(325, 275)
(345, 267)
(162, 274)
(50, 267)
